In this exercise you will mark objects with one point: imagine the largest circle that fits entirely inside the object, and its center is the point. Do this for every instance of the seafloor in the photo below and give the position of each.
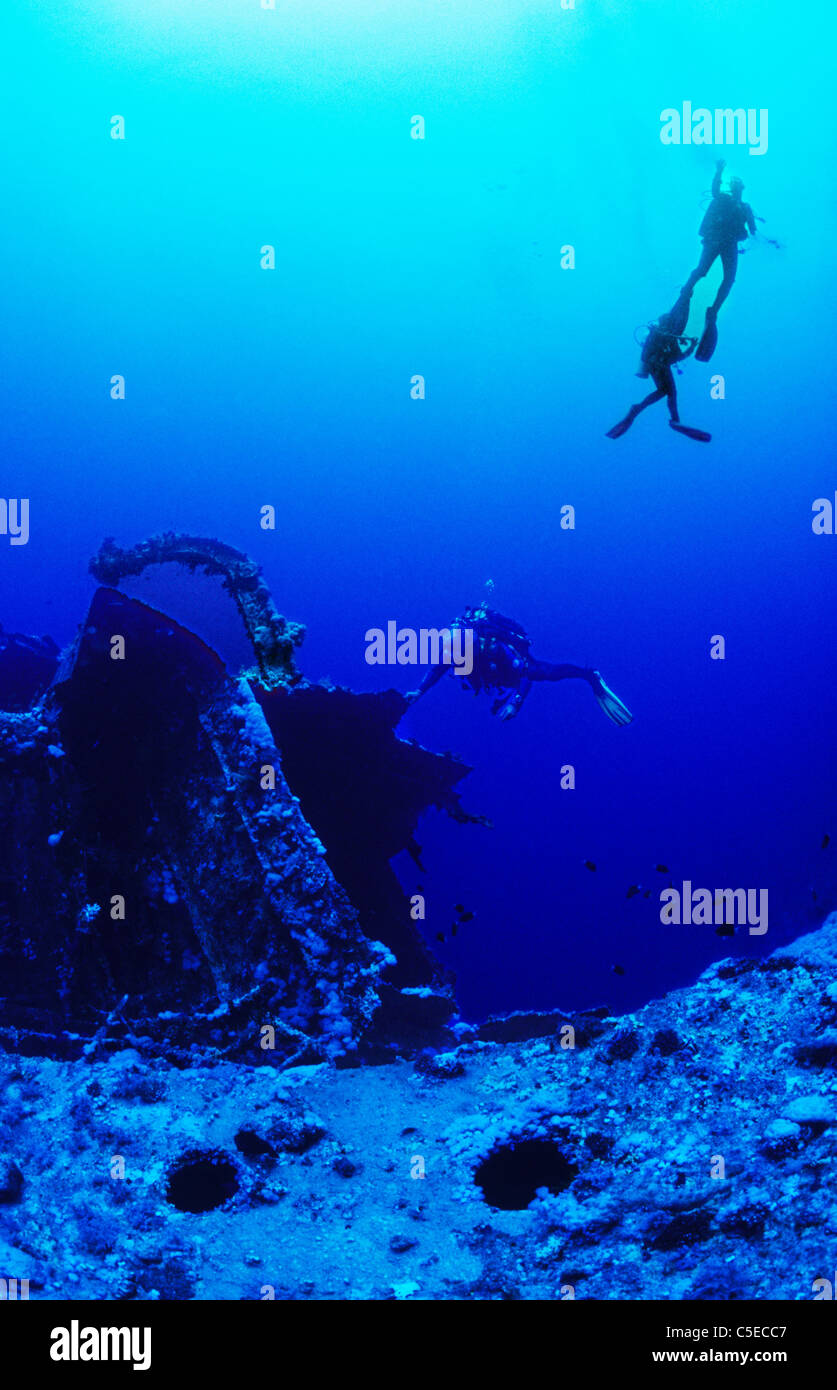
(692, 1140)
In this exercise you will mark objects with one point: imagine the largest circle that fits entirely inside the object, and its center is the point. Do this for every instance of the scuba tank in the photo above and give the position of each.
(500, 646)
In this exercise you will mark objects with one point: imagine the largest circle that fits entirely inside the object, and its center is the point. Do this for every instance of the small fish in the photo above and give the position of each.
(814, 894)
(826, 841)
(453, 929)
(618, 969)
(633, 890)
(725, 929)
(662, 868)
(458, 907)
(647, 893)
(465, 917)
(440, 936)
(588, 864)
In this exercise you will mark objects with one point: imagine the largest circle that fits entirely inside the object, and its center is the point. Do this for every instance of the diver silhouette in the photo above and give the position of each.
(727, 220)
(503, 664)
(663, 348)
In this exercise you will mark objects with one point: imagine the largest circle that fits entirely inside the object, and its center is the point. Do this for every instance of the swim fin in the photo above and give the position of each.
(709, 341)
(691, 432)
(610, 703)
(622, 427)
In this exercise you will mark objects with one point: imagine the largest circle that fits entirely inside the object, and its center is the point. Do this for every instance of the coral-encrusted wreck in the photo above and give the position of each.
(191, 858)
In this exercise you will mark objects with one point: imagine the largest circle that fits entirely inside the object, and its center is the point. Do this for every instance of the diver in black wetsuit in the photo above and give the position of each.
(727, 220)
(664, 346)
(502, 663)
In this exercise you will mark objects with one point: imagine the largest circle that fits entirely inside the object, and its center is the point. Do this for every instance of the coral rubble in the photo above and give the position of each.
(514, 1169)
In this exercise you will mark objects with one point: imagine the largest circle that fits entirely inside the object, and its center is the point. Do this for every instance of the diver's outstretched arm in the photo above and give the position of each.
(432, 675)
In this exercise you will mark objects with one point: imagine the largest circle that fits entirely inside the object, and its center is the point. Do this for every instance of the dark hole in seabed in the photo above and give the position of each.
(251, 1144)
(510, 1175)
(201, 1182)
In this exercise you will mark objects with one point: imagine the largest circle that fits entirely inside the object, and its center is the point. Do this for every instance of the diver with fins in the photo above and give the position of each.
(727, 220)
(663, 348)
(503, 665)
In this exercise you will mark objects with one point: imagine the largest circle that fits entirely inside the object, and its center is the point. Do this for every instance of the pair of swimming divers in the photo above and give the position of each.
(503, 664)
(728, 221)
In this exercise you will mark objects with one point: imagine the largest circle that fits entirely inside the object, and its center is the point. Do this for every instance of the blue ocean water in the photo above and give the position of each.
(291, 127)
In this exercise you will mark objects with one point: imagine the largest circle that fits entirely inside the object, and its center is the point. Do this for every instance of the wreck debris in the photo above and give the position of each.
(272, 636)
(246, 889)
(363, 788)
(232, 918)
(191, 861)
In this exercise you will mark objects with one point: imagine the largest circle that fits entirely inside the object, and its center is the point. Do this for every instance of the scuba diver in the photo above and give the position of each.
(727, 221)
(502, 663)
(664, 346)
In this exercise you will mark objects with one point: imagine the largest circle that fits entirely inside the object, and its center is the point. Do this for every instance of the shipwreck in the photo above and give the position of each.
(195, 862)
